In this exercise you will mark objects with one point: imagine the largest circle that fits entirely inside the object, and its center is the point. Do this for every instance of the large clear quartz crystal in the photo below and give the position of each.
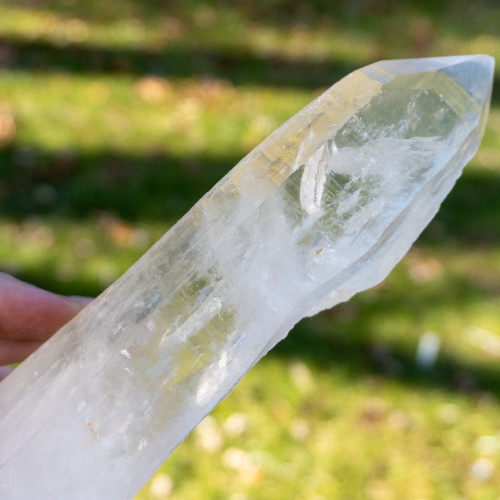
(322, 209)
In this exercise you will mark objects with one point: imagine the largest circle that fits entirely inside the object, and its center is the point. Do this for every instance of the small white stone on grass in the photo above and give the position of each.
(482, 469)
(301, 376)
(299, 429)
(236, 424)
(427, 351)
(208, 435)
(161, 486)
(449, 413)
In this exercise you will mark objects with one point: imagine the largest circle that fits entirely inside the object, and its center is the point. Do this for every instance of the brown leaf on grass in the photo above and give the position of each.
(423, 268)
(373, 411)
(7, 125)
(152, 89)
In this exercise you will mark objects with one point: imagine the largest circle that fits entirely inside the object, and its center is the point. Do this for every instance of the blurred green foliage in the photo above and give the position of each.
(115, 117)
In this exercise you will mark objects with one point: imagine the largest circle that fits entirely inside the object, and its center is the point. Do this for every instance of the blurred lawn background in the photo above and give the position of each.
(115, 117)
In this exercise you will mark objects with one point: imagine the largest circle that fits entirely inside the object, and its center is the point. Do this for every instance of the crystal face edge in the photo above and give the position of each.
(395, 67)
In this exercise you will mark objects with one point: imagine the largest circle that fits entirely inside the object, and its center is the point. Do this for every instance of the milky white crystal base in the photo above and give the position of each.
(322, 209)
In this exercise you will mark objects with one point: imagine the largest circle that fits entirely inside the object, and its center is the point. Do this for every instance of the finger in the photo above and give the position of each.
(15, 352)
(28, 313)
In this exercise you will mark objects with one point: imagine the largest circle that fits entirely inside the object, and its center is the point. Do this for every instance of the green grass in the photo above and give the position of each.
(116, 117)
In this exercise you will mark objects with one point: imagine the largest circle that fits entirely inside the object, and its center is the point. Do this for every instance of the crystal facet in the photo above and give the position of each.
(322, 209)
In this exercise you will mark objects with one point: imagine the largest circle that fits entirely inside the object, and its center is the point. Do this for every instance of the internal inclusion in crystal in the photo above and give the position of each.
(322, 209)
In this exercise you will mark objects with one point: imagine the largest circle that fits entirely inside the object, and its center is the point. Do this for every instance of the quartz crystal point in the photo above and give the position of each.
(322, 209)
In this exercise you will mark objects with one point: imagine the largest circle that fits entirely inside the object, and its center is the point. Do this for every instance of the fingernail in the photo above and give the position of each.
(82, 301)
(4, 371)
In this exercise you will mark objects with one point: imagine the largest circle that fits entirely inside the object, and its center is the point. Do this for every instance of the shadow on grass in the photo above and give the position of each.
(156, 187)
(469, 216)
(241, 67)
(322, 343)
(162, 187)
